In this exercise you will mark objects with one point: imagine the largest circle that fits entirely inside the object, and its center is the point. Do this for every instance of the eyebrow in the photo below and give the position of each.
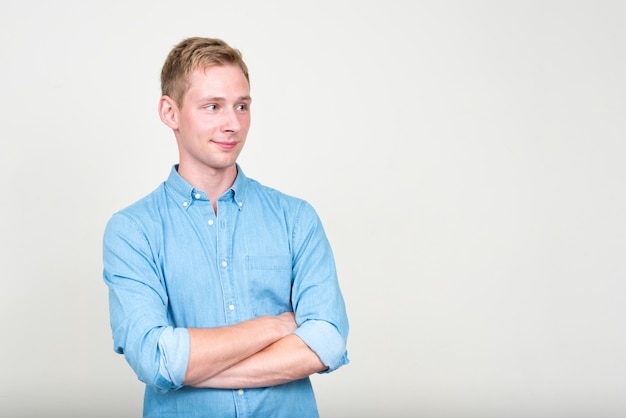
(222, 99)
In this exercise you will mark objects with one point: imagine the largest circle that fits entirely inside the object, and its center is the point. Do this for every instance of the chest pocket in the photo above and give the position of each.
(270, 283)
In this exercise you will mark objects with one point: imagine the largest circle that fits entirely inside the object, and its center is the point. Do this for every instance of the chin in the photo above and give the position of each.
(223, 165)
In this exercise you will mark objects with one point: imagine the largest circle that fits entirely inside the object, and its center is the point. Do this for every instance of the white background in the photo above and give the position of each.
(467, 159)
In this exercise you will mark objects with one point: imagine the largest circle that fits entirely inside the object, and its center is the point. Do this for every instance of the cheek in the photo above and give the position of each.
(245, 124)
(202, 127)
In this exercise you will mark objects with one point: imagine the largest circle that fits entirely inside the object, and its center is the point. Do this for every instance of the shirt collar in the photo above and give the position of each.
(239, 188)
(186, 194)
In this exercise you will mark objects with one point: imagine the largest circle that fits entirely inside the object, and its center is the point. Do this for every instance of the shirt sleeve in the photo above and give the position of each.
(156, 351)
(316, 296)
(174, 355)
(325, 341)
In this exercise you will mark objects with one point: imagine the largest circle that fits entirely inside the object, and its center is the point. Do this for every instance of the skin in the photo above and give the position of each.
(211, 125)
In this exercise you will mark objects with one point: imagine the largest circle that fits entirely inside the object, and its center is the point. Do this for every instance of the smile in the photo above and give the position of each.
(226, 145)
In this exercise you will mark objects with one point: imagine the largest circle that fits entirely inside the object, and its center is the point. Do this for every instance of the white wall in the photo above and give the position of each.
(467, 159)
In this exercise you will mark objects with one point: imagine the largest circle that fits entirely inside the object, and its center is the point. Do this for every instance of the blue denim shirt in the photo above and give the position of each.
(170, 263)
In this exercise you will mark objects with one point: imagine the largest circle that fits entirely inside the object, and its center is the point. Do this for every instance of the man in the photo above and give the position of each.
(223, 292)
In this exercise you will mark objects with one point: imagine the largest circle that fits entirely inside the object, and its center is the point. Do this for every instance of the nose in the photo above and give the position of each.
(230, 122)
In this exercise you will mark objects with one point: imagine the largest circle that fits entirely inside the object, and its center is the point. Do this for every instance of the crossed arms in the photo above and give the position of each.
(255, 353)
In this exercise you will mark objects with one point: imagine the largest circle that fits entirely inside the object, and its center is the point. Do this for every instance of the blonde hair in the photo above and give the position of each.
(191, 54)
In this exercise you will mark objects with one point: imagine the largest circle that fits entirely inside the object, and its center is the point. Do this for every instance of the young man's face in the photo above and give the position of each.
(214, 119)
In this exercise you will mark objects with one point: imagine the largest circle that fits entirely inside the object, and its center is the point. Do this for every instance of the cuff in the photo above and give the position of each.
(173, 358)
(325, 341)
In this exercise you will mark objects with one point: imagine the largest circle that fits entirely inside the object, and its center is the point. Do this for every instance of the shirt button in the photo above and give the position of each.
(185, 204)
(240, 391)
(210, 222)
(224, 263)
(231, 307)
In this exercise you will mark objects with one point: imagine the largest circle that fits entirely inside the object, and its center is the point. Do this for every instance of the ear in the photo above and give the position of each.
(168, 112)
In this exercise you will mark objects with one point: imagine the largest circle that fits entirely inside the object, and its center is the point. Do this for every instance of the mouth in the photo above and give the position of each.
(225, 145)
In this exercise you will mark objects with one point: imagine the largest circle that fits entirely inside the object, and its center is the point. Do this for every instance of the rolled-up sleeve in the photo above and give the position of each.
(156, 351)
(316, 296)
(174, 355)
(325, 341)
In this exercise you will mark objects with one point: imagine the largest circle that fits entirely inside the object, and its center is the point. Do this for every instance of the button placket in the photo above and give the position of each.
(223, 221)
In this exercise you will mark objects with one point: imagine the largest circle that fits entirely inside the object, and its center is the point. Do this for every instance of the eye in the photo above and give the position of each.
(242, 107)
(210, 107)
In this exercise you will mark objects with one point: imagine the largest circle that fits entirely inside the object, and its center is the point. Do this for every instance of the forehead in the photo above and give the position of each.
(219, 79)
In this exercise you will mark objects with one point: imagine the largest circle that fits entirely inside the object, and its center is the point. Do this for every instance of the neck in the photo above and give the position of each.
(214, 182)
